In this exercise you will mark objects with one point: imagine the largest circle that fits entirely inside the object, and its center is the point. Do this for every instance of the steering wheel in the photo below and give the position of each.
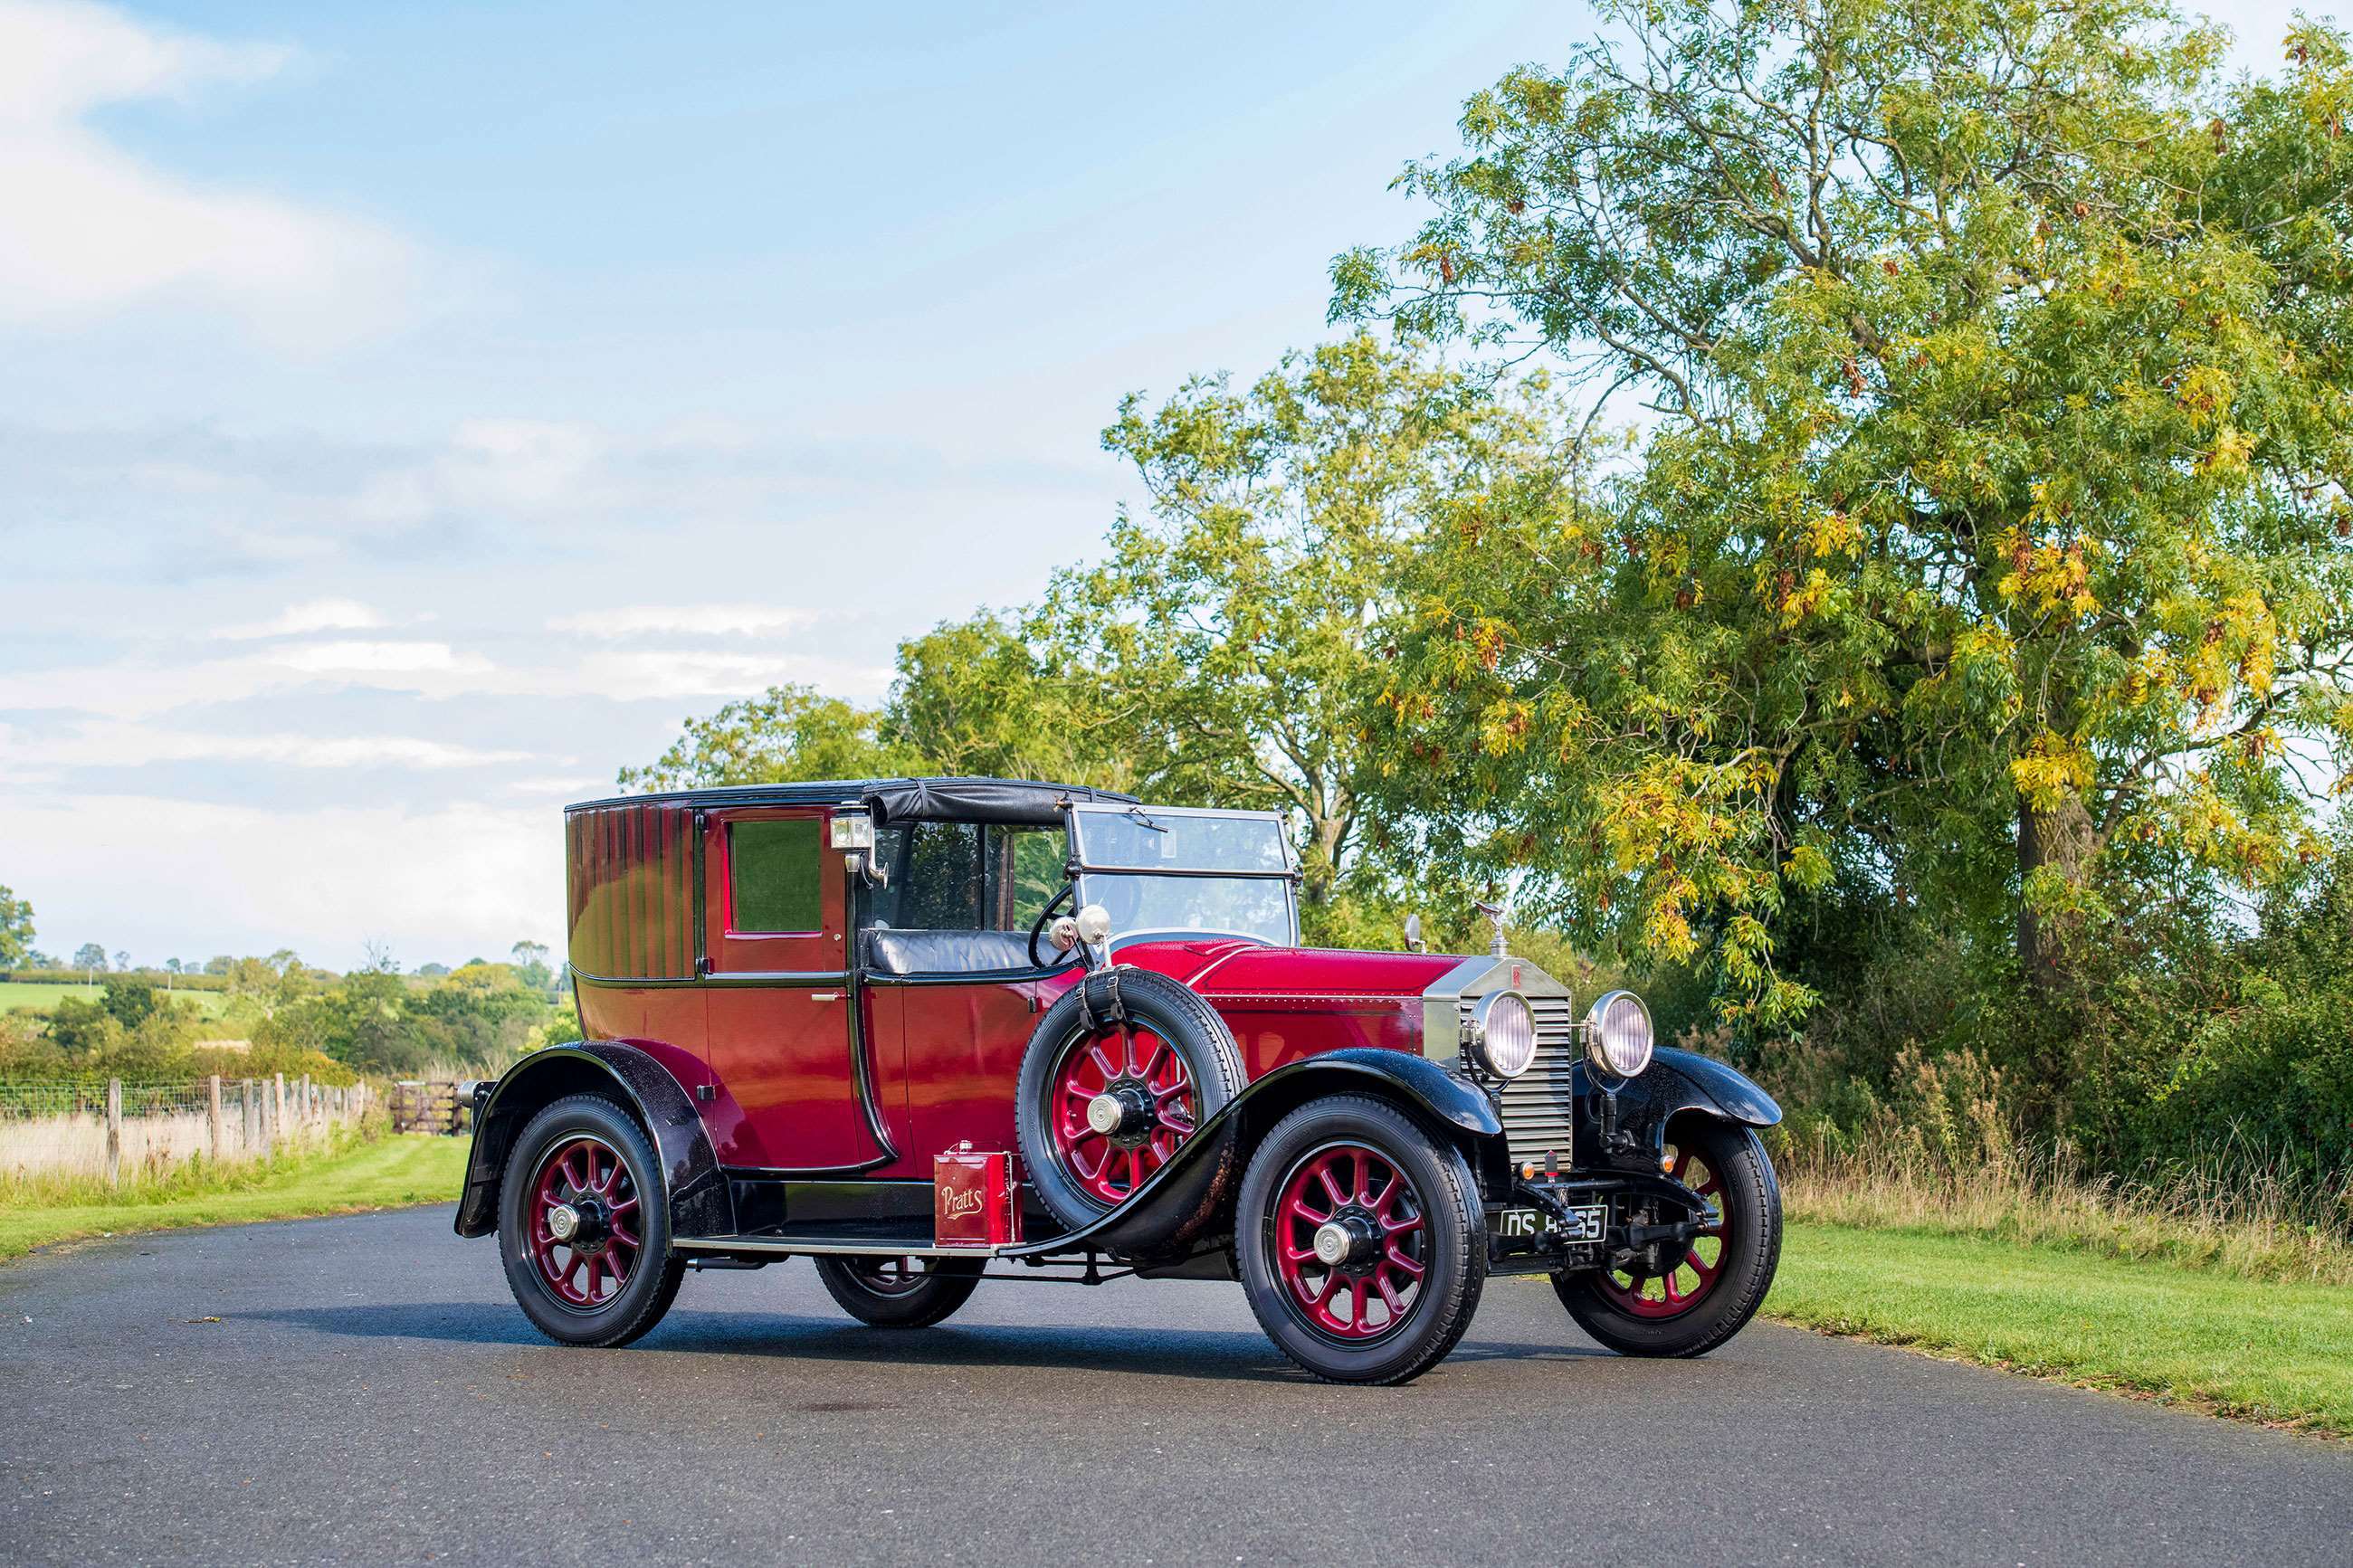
(1038, 926)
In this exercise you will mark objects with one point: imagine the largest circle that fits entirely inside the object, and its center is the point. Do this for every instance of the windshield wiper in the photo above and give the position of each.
(1136, 812)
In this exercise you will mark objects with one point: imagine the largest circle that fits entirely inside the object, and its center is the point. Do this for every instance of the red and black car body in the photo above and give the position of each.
(811, 1009)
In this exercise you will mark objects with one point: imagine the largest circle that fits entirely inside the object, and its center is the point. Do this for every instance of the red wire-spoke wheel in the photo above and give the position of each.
(1123, 1102)
(1360, 1241)
(583, 1224)
(1683, 1287)
(1125, 1075)
(1349, 1243)
(584, 1234)
(1683, 1299)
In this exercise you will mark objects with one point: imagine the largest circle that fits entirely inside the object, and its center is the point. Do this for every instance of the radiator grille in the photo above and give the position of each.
(1540, 1109)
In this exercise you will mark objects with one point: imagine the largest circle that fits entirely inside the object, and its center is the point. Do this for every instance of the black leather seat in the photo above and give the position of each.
(947, 952)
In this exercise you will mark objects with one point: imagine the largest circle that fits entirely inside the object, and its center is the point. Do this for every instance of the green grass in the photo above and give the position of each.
(41, 996)
(2270, 1350)
(389, 1172)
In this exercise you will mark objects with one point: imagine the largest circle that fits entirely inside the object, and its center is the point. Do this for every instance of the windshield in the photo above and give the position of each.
(1161, 871)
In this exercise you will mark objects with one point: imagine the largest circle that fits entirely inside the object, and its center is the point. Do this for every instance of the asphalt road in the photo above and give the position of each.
(370, 1392)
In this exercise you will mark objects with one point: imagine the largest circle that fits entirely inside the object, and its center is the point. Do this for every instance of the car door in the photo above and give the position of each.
(791, 1087)
(967, 894)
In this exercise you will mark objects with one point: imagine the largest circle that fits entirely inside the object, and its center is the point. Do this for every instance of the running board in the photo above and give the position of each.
(830, 1245)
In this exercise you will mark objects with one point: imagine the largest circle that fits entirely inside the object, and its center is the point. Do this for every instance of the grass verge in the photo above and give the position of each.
(388, 1171)
(2267, 1350)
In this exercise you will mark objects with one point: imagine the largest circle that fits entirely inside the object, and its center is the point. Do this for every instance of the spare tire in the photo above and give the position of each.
(1119, 1072)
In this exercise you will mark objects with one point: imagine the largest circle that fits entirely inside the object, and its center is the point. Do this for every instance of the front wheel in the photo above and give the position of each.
(1361, 1243)
(899, 1292)
(1688, 1303)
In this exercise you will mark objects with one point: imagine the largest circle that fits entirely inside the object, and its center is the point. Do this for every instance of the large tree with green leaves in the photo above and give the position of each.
(1234, 630)
(1988, 543)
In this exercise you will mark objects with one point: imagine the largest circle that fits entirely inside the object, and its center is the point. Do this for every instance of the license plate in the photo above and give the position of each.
(1581, 1226)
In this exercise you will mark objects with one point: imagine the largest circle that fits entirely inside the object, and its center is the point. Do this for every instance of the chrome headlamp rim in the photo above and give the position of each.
(1479, 1038)
(1598, 1020)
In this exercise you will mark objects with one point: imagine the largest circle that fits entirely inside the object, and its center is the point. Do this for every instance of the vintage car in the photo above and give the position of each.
(929, 1031)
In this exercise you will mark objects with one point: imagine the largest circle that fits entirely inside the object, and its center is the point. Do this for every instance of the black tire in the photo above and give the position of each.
(651, 1281)
(891, 1293)
(1450, 1246)
(1745, 1256)
(1152, 1003)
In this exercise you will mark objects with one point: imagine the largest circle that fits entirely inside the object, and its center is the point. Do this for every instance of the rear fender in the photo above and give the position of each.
(1187, 1198)
(692, 1187)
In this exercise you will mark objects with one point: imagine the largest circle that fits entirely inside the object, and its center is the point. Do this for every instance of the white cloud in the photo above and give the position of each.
(85, 228)
(361, 659)
(442, 884)
(317, 615)
(107, 745)
(705, 620)
(144, 688)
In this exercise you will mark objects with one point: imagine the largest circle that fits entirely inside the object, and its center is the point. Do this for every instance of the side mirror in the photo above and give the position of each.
(1413, 943)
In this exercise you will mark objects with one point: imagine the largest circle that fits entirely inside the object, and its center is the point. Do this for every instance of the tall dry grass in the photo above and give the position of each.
(159, 1178)
(1945, 1155)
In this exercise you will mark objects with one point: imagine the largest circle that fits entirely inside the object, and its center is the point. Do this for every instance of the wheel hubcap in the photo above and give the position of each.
(1351, 1242)
(1123, 1112)
(584, 1216)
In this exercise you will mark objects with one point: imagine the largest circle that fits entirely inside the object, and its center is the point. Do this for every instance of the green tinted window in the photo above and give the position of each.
(775, 867)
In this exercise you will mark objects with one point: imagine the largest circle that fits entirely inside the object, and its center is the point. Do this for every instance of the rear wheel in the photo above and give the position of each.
(1360, 1239)
(1687, 1301)
(900, 1293)
(582, 1229)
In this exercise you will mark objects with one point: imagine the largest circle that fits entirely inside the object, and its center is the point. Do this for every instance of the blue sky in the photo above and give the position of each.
(409, 413)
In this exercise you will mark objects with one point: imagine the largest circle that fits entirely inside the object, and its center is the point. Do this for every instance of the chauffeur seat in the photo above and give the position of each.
(890, 951)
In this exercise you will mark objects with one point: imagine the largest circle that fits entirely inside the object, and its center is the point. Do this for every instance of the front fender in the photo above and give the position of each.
(692, 1187)
(1694, 1082)
(1185, 1198)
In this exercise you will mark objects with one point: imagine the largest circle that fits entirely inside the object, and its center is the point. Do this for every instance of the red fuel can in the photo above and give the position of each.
(975, 1201)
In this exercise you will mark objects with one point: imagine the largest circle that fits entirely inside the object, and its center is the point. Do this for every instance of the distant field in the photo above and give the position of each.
(41, 997)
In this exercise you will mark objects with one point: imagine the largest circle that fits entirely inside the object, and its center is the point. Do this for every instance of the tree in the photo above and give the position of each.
(790, 732)
(89, 957)
(531, 966)
(16, 929)
(1988, 544)
(978, 697)
(1234, 632)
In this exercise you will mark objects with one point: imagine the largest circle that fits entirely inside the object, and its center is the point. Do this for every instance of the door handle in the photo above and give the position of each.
(824, 995)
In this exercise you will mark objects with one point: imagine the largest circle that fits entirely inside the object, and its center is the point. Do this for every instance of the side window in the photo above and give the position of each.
(956, 876)
(772, 871)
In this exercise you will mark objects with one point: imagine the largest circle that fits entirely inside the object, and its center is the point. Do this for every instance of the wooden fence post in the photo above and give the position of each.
(213, 1116)
(115, 1133)
(277, 1112)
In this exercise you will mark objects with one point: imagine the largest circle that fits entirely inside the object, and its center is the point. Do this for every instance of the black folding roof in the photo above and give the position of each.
(1023, 801)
